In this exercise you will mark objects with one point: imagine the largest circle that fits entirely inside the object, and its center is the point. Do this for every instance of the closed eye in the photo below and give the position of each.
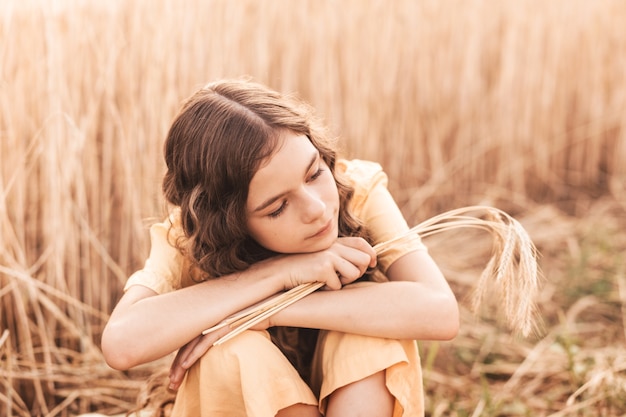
(279, 210)
(316, 174)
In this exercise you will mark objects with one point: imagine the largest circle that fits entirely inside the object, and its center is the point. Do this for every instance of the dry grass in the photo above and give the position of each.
(518, 105)
(575, 365)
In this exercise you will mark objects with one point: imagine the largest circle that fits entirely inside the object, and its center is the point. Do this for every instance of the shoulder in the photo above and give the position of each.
(167, 268)
(367, 178)
(361, 174)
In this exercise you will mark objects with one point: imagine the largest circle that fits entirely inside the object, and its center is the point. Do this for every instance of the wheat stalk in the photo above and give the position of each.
(255, 317)
(512, 270)
(267, 305)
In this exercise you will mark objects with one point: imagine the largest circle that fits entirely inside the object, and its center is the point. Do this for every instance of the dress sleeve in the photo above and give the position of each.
(163, 268)
(374, 205)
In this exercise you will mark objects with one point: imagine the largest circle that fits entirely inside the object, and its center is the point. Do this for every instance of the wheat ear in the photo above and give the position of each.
(512, 270)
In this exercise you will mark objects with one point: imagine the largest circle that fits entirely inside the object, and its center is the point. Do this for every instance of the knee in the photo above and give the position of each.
(241, 349)
(245, 344)
(250, 359)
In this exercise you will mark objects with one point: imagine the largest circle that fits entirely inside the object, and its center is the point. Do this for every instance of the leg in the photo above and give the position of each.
(366, 370)
(247, 376)
(368, 397)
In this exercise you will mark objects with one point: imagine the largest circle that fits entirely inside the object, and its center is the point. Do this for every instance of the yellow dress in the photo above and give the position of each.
(249, 375)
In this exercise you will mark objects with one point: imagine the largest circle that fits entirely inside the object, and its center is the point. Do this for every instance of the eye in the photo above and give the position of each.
(278, 211)
(316, 174)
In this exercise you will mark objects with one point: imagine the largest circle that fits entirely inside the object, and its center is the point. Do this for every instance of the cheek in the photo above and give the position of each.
(267, 234)
(333, 192)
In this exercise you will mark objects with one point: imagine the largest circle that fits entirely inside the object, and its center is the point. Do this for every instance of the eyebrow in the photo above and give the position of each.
(271, 200)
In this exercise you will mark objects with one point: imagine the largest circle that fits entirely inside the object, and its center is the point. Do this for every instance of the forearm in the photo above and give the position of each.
(149, 327)
(145, 326)
(399, 310)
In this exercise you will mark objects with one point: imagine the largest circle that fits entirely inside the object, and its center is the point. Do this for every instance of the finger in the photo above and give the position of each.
(357, 258)
(359, 253)
(363, 246)
(333, 283)
(205, 343)
(176, 378)
(357, 243)
(348, 272)
(183, 353)
(177, 371)
(190, 355)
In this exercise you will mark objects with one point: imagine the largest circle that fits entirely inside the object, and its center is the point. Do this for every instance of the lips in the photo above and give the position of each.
(325, 229)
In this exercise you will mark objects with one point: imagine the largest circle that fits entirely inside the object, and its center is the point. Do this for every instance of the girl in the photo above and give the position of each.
(261, 204)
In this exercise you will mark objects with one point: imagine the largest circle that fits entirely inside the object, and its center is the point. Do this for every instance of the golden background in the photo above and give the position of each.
(516, 104)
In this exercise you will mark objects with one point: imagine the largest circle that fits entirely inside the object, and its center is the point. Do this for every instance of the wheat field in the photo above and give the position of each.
(515, 104)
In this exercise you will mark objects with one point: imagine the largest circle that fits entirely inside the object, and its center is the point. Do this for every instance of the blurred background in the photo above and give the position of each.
(519, 104)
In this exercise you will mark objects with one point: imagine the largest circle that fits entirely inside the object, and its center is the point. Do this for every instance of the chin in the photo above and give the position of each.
(326, 243)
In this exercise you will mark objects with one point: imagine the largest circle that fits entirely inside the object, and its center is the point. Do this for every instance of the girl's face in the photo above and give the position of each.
(293, 203)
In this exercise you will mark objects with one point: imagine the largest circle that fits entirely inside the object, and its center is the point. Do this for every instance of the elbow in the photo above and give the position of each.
(118, 362)
(442, 318)
(436, 316)
(115, 351)
(449, 332)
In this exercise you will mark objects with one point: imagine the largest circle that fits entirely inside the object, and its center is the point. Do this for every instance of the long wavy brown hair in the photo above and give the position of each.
(217, 142)
(215, 145)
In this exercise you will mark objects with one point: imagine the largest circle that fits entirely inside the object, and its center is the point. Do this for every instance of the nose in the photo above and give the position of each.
(313, 205)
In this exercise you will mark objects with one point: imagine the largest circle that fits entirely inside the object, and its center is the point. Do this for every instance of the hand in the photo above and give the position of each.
(190, 353)
(342, 263)
(194, 350)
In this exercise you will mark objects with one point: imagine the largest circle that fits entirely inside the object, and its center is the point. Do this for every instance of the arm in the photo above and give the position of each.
(417, 303)
(145, 326)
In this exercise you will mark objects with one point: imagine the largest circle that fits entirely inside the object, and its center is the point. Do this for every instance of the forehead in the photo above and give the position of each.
(291, 150)
(284, 167)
